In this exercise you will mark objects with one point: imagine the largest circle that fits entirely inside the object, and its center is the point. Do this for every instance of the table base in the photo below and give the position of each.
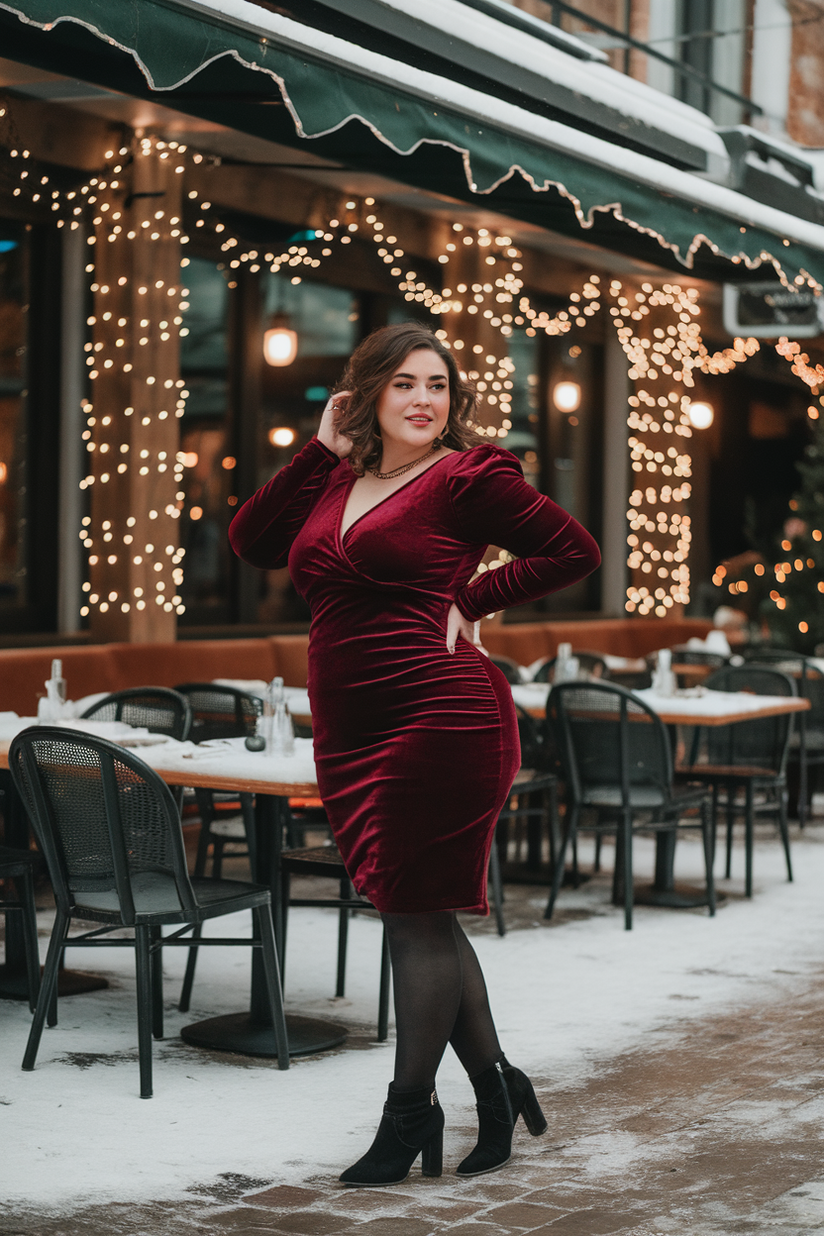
(682, 897)
(238, 1033)
(14, 983)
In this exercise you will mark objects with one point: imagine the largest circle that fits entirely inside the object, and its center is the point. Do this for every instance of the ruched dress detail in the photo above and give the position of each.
(416, 749)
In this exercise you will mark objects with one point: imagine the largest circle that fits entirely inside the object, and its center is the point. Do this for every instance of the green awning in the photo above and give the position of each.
(283, 81)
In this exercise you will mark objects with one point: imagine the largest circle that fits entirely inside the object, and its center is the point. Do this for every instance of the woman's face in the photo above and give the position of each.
(413, 407)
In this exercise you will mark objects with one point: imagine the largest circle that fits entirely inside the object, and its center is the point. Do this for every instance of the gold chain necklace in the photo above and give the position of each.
(388, 476)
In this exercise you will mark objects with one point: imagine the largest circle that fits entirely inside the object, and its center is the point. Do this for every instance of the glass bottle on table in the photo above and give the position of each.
(278, 729)
(51, 707)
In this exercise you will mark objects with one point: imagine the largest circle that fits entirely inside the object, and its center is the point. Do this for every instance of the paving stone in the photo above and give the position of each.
(283, 1197)
(477, 1229)
(525, 1216)
(240, 1220)
(403, 1226)
(356, 1201)
(310, 1222)
(592, 1223)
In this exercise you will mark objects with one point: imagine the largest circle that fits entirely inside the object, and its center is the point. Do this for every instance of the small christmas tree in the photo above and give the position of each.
(795, 609)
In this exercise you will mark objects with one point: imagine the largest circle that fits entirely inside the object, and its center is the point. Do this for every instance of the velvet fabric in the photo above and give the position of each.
(416, 748)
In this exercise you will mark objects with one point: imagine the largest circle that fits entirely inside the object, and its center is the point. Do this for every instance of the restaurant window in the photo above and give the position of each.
(327, 323)
(523, 438)
(29, 426)
(205, 444)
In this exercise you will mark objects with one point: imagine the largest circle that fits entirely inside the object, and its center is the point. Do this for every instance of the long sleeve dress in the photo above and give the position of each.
(416, 749)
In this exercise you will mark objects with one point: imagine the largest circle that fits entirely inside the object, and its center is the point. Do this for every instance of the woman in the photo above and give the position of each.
(384, 517)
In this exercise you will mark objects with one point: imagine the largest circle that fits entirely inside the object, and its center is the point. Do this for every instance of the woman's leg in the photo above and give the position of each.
(473, 1038)
(427, 982)
(426, 966)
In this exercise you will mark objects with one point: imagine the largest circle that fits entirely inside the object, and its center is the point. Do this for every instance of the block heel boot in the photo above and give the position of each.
(411, 1125)
(504, 1093)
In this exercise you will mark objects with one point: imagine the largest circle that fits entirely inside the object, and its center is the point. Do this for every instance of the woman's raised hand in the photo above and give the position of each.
(328, 432)
(457, 625)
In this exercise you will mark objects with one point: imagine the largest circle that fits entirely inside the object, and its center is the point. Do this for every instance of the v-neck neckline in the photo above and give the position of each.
(348, 493)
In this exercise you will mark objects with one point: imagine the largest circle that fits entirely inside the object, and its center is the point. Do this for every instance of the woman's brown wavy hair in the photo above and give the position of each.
(371, 367)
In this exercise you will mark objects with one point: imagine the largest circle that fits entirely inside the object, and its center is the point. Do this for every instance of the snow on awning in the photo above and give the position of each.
(260, 72)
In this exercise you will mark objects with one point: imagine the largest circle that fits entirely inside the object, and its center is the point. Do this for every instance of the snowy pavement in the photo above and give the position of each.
(576, 1002)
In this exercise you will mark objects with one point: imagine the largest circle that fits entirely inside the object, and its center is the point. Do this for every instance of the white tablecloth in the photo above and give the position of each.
(714, 703)
(229, 758)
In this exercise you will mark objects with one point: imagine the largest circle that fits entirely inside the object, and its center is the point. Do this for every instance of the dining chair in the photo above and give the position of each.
(749, 756)
(221, 712)
(110, 833)
(698, 656)
(531, 808)
(17, 866)
(509, 668)
(617, 766)
(325, 861)
(807, 740)
(160, 710)
(590, 664)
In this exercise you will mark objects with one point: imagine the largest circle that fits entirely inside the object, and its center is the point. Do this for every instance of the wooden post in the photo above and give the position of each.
(480, 348)
(133, 434)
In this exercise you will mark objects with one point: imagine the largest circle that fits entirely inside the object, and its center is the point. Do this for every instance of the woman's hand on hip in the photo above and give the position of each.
(328, 433)
(457, 625)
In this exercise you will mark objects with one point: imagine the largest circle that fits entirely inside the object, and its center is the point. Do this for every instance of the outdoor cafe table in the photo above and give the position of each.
(273, 780)
(694, 708)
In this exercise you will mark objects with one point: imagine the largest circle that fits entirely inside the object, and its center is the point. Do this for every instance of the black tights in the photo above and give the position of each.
(440, 998)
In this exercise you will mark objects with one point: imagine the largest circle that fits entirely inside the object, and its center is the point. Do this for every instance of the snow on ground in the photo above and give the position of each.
(567, 998)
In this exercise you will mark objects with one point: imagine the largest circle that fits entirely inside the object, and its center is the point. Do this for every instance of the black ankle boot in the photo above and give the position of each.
(503, 1093)
(411, 1125)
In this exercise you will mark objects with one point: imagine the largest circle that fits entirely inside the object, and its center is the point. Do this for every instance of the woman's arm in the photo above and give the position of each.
(264, 528)
(494, 505)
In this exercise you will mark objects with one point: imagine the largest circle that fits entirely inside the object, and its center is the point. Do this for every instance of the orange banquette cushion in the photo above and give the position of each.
(111, 667)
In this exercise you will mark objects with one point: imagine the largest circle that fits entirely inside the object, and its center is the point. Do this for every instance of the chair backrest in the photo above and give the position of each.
(808, 678)
(220, 712)
(591, 664)
(697, 656)
(533, 754)
(158, 709)
(105, 822)
(761, 743)
(508, 668)
(606, 736)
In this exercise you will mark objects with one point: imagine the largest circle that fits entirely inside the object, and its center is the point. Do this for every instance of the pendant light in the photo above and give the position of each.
(280, 342)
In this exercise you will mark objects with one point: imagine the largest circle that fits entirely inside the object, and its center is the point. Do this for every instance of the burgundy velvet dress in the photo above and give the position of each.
(416, 749)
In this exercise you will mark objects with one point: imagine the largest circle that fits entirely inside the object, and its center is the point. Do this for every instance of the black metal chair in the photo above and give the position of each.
(698, 656)
(509, 668)
(325, 861)
(531, 807)
(807, 740)
(617, 762)
(110, 833)
(160, 710)
(749, 756)
(18, 867)
(591, 664)
(221, 712)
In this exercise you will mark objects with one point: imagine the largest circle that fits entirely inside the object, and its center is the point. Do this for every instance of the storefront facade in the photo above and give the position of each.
(216, 171)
